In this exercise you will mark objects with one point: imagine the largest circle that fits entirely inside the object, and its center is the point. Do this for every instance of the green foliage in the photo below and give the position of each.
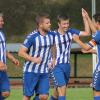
(20, 14)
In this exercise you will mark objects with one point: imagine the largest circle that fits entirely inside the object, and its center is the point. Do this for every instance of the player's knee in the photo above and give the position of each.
(43, 97)
(5, 94)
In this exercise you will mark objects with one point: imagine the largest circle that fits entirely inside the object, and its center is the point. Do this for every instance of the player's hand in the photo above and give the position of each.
(16, 62)
(3, 67)
(51, 64)
(84, 51)
(37, 60)
(84, 13)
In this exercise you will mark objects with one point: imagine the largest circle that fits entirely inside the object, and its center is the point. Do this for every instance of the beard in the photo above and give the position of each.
(46, 30)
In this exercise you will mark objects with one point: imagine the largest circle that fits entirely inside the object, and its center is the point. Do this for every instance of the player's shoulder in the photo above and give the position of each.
(51, 33)
(55, 32)
(96, 36)
(71, 30)
(32, 34)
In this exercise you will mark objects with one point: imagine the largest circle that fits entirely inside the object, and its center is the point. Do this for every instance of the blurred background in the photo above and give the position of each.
(19, 16)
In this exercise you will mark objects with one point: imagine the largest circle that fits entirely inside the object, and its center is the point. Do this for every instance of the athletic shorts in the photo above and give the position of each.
(60, 74)
(4, 82)
(35, 82)
(96, 79)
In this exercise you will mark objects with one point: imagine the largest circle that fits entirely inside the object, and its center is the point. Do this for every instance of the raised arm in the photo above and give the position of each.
(90, 22)
(86, 31)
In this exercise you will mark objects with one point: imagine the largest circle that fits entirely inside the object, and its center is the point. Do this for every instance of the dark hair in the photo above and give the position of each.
(39, 18)
(62, 17)
(97, 17)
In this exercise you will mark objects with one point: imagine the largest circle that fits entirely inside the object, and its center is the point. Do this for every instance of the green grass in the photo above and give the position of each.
(72, 94)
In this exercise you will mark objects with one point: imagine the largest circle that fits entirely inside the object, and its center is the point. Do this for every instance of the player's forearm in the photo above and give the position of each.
(25, 55)
(83, 45)
(10, 56)
(92, 26)
(86, 26)
(53, 51)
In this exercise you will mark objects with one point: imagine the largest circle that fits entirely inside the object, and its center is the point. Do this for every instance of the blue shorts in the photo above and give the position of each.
(96, 79)
(4, 82)
(35, 82)
(60, 74)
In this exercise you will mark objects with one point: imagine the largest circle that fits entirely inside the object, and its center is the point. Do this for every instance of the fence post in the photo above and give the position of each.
(75, 65)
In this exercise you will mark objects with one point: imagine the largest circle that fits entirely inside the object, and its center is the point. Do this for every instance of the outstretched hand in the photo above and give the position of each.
(84, 13)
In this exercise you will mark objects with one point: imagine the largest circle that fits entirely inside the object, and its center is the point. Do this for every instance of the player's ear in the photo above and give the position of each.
(58, 23)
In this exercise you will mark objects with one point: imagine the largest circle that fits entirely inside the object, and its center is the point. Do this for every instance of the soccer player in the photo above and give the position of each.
(36, 51)
(4, 82)
(63, 40)
(95, 27)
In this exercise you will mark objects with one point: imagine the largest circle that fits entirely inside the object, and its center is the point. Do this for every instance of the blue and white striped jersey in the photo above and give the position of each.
(63, 45)
(38, 46)
(2, 47)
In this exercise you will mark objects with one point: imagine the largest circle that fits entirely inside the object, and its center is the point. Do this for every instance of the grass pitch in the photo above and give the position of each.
(72, 94)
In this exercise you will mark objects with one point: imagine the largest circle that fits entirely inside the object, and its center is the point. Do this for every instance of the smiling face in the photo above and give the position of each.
(63, 24)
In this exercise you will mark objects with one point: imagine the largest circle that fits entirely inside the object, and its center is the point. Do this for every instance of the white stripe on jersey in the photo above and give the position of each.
(2, 48)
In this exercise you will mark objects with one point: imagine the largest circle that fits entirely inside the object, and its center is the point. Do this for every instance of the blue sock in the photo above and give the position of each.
(96, 97)
(36, 98)
(61, 98)
(53, 98)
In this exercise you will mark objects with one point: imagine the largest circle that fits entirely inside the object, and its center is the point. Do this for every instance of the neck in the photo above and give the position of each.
(42, 32)
(61, 31)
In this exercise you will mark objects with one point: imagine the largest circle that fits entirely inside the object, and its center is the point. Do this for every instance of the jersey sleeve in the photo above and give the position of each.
(96, 36)
(28, 42)
(92, 43)
(74, 31)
